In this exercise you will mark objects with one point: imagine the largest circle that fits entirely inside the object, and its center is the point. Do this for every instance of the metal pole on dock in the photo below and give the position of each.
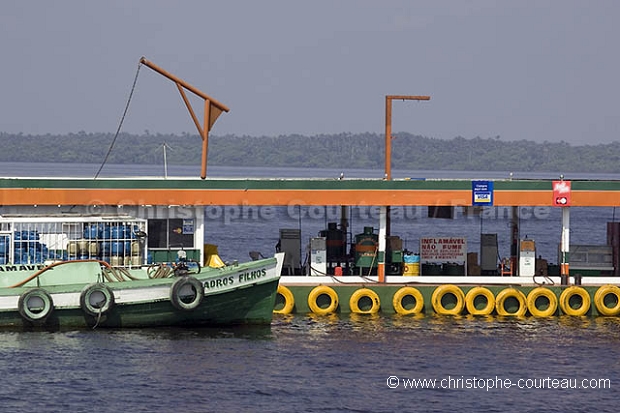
(561, 198)
(165, 162)
(388, 128)
(565, 247)
(384, 220)
(514, 241)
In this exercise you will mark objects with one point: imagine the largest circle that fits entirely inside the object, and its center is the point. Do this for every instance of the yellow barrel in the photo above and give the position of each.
(135, 248)
(72, 249)
(93, 248)
(82, 246)
(411, 264)
(411, 268)
(116, 261)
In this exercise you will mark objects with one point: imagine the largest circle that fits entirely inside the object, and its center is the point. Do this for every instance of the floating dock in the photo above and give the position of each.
(379, 291)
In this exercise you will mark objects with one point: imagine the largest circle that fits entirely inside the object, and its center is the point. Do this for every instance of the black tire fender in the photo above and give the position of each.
(97, 299)
(35, 305)
(186, 293)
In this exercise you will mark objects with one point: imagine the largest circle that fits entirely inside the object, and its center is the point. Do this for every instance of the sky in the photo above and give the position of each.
(544, 70)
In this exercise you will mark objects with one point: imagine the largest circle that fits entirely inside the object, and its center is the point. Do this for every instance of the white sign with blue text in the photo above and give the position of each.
(482, 193)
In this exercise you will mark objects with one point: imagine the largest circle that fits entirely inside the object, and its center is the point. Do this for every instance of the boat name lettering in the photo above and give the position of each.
(252, 275)
(33, 267)
(220, 282)
(243, 277)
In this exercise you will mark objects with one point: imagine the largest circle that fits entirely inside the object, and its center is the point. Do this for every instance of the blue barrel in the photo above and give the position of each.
(117, 232)
(411, 258)
(17, 240)
(106, 247)
(26, 235)
(127, 247)
(91, 231)
(132, 231)
(34, 247)
(118, 247)
(21, 257)
(128, 231)
(105, 232)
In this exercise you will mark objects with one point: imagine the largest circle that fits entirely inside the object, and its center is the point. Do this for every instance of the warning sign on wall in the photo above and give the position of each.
(443, 249)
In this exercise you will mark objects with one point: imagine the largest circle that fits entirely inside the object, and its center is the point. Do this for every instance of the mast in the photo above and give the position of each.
(212, 110)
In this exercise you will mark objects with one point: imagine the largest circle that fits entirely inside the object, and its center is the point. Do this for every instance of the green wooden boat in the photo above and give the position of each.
(90, 293)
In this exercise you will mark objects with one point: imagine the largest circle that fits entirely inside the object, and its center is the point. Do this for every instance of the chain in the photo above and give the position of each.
(120, 125)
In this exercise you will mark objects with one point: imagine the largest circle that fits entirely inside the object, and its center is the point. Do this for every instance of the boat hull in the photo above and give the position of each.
(241, 294)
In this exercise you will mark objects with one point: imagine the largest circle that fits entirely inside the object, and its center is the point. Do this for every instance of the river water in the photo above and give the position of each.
(320, 364)
(326, 364)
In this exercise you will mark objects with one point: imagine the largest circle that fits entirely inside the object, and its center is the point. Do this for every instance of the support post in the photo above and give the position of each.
(382, 243)
(514, 242)
(385, 210)
(565, 247)
(388, 129)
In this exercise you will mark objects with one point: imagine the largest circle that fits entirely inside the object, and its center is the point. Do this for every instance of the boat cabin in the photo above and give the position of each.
(124, 236)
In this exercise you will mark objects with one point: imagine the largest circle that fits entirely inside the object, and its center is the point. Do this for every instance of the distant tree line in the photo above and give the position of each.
(361, 150)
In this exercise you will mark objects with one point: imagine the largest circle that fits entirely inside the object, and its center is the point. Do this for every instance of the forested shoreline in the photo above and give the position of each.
(362, 150)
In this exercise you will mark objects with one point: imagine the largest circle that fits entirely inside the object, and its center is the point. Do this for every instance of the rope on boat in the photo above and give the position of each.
(98, 318)
(118, 130)
(159, 271)
(125, 273)
(113, 274)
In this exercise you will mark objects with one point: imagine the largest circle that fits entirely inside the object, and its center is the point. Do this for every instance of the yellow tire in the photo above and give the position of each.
(567, 302)
(472, 299)
(319, 292)
(449, 292)
(403, 294)
(288, 298)
(507, 294)
(545, 294)
(375, 302)
(600, 300)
